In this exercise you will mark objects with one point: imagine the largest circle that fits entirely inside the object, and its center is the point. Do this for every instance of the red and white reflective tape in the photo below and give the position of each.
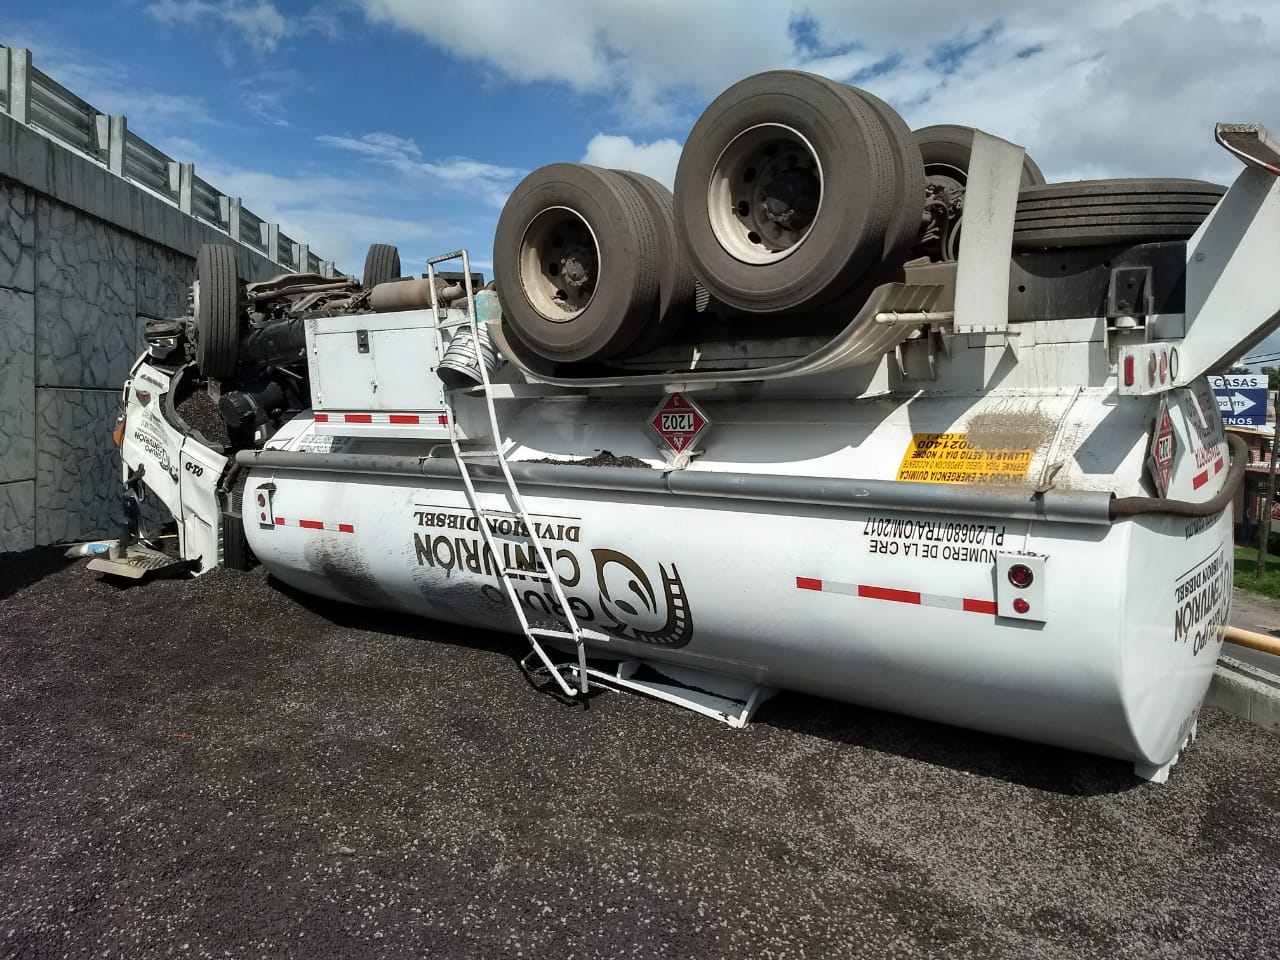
(399, 419)
(869, 592)
(1201, 478)
(316, 525)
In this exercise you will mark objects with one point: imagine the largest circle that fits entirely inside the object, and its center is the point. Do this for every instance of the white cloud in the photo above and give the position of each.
(1091, 88)
(143, 107)
(258, 22)
(265, 106)
(461, 177)
(323, 21)
(337, 216)
(657, 159)
(399, 152)
(1071, 94)
(262, 94)
(635, 50)
(464, 170)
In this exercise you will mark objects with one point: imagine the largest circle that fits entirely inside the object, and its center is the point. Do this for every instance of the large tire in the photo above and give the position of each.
(908, 210)
(947, 147)
(676, 283)
(217, 311)
(1099, 212)
(575, 259)
(756, 235)
(381, 264)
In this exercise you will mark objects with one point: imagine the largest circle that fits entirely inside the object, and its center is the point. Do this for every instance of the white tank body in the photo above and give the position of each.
(902, 609)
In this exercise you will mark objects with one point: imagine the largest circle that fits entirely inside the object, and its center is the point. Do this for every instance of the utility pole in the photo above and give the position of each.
(1264, 521)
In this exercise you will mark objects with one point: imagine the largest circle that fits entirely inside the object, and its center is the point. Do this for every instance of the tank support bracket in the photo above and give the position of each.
(1159, 772)
(732, 702)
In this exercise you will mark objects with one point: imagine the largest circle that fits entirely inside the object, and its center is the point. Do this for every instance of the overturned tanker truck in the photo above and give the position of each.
(871, 414)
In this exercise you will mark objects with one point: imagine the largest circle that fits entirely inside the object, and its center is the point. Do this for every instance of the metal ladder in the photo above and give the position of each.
(532, 634)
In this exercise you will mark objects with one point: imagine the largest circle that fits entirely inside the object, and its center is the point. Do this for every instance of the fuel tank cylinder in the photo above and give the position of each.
(1098, 637)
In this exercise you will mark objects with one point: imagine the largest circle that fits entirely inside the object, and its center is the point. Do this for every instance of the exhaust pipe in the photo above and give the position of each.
(411, 295)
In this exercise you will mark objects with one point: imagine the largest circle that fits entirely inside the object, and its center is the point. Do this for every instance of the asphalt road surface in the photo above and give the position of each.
(220, 768)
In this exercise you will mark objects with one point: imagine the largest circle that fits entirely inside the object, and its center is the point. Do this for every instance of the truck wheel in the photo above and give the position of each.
(908, 164)
(575, 259)
(676, 285)
(1097, 212)
(946, 149)
(381, 263)
(217, 310)
(784, 192)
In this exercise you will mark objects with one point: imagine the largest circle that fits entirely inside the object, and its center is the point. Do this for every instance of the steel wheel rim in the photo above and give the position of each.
(765, 193)
(947, 174)
(559, 264)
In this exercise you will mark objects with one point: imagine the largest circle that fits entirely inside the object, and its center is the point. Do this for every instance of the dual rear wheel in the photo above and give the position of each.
(587, 265)
(792, 189)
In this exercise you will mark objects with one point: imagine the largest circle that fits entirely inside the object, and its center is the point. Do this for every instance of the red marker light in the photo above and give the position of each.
(1021, 606)
(262, 499)
(263, 517)
(1129, 375)
(1020, 576)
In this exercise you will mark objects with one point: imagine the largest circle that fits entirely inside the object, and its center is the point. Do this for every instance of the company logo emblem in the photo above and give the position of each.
(635, 609)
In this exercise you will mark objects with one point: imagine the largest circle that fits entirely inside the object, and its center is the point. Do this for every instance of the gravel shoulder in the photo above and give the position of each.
(220, 767)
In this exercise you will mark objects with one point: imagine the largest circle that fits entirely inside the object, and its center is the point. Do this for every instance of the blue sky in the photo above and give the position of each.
(409, 121)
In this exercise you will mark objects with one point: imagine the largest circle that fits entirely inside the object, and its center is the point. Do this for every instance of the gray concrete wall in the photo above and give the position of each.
(85, 258)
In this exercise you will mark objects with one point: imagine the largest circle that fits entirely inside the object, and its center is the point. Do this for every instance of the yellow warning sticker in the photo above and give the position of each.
(948, 458)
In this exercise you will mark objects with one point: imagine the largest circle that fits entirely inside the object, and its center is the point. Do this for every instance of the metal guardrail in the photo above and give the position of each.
(35, 99)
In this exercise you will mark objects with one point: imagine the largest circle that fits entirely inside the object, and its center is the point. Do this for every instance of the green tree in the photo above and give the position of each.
(1273, 377)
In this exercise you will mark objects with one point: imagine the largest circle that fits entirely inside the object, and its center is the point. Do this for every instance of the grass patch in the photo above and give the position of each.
(1247, 573)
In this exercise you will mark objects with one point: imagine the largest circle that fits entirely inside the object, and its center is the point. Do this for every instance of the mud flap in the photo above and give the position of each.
(236, 553)
(137, 562)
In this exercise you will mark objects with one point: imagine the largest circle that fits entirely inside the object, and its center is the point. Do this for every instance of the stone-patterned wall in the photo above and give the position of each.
(85, 259)
(17, 368)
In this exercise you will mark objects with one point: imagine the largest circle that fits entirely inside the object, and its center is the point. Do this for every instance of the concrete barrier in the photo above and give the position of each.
(86, 257)
(1246, 691)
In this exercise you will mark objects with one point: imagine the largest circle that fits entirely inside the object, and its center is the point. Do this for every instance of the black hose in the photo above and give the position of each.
(1138, 506)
